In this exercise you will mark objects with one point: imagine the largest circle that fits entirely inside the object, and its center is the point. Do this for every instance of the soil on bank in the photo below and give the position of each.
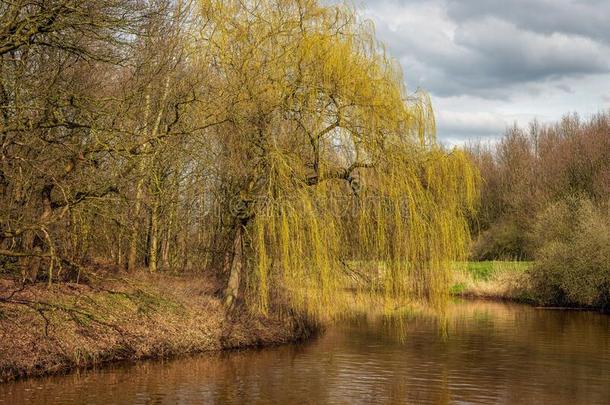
(46, 330)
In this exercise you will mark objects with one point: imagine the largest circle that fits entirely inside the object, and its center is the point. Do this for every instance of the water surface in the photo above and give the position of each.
(493, 353)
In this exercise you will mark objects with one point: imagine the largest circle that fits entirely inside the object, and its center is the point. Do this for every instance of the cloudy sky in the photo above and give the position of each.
(490, 63)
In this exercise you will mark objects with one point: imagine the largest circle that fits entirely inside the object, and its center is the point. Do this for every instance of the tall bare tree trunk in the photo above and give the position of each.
(133, 240)
(32, 264)
(132, 255)
(232, 290)
(119, 248)
(167, 236)
(26, 263)
(154, 239)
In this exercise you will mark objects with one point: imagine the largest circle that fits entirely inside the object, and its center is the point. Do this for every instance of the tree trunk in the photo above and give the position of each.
(26, 263)
(143, 175)
(167, 237)
(154, 239)
(132, 255)
(31, 265)
(165, 247)
(119, 248)
(232, 290)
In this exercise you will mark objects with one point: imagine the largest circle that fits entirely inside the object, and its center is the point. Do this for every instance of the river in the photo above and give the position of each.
(492, 353)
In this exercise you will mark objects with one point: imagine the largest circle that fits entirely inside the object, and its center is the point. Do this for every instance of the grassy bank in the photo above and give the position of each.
(506, 280)
(53, 329)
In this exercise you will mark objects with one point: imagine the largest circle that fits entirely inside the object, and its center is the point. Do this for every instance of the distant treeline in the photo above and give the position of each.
(545, 197)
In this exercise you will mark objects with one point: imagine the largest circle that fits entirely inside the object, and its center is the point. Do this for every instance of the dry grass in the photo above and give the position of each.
(495, 280)
(49, 330)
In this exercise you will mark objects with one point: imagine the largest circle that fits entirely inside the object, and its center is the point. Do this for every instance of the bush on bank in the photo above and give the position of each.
(572, 254)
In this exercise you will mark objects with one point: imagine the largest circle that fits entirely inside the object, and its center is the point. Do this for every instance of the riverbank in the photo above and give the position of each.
(46, 330)
(497, 280)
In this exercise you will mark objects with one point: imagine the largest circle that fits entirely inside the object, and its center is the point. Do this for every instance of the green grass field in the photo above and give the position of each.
(489, 279)
(486, 270)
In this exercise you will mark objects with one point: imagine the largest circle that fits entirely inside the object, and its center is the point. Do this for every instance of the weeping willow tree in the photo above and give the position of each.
(330, 167)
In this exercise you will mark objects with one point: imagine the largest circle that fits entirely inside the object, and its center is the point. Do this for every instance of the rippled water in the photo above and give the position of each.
(493, 353)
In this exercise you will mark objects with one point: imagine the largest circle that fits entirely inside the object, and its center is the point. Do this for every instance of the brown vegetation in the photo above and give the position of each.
(529, 169)
(573, 254)
(545, 196)
(49, 330)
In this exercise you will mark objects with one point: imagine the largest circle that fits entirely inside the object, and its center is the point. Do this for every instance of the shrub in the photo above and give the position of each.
(572, 239)
(529, 168)
(504, 240)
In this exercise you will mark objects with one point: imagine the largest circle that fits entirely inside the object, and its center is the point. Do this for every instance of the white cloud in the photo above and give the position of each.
(465, 123)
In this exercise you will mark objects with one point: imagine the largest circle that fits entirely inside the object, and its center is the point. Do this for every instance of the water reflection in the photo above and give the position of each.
(493, 353)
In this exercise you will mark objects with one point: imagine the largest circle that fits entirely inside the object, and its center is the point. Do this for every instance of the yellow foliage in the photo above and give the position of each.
(340, 163)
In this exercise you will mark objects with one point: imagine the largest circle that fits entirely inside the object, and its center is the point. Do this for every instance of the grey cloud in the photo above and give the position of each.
(496, 45)
(490, 63)
(507, 54)
(587, 18)
(565, 88)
